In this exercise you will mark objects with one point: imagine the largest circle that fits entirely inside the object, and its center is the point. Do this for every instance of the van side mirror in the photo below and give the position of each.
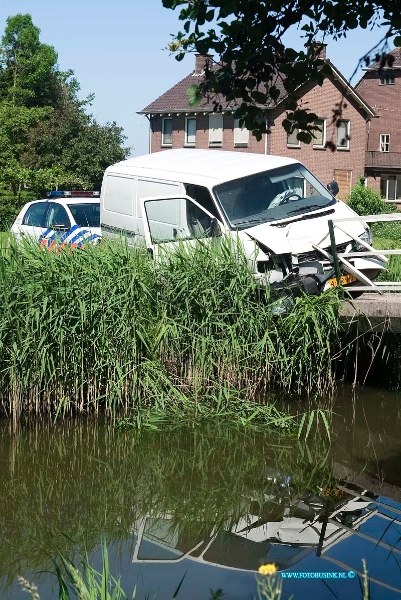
(333, 188)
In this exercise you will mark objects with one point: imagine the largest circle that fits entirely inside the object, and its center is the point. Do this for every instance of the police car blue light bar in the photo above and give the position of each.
(55, 194)
(72, 194)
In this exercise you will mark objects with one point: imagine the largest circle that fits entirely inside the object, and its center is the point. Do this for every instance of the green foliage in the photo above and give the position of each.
(364, 200)
(227, 406)
(47, 138)
(107, 326)
(86, 582)
(10, 206)
(252, 62)
(27, 66)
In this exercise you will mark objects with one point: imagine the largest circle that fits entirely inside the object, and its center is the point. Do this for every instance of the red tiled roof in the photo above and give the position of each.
(176, 98)
(396, 54)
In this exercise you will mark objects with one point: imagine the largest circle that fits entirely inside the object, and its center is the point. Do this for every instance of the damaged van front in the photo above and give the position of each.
(285, 212)
(274, 207)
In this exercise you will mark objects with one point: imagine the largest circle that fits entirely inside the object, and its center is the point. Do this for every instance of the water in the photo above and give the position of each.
(207, 507)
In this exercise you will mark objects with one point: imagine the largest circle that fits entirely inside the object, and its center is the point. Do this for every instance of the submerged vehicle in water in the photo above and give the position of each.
(286, 533)
(274, 208)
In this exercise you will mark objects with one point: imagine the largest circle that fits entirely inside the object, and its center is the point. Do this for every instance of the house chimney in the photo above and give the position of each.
(200, 62)
(318, 49)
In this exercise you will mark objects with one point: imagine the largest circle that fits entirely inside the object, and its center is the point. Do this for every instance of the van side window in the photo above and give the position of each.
(148, 188)
(202, 195)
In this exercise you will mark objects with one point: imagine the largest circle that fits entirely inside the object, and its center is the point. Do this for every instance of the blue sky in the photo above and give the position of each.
(116, 51)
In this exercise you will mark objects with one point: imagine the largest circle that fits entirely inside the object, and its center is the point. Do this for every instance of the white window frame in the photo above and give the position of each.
(323, 132)
(347, 135)
(241, 135)
(296, 143)
(385, 79)
(189, 142)
(387, 180)
(384, 145)
(164, 142)
(216, 128)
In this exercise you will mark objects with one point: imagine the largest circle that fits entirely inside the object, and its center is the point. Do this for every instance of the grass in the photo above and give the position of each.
(4, 241)
(227, 406)
(107, 327)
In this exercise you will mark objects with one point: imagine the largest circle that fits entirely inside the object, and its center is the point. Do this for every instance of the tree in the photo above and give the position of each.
(27, 67)
(255, 68)
(47, 137)
(76, 143)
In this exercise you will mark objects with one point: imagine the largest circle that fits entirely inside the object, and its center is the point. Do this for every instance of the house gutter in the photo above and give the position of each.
(266, 136)
(150, 133)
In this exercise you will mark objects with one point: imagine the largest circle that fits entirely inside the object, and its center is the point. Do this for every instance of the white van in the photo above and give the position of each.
(273, 205)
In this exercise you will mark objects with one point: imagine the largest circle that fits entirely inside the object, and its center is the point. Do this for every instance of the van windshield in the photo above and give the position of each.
(272, 195)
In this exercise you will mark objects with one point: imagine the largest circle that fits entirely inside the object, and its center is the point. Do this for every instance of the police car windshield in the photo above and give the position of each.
(273, 195)
(86, 215)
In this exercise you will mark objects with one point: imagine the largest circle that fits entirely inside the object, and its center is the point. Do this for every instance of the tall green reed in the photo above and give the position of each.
(109, 327)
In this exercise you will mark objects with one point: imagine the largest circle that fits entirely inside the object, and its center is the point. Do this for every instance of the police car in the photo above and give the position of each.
(65, 218)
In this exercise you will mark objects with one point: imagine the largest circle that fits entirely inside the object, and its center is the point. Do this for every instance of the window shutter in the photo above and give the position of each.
(319, 136)
(344, 180)
(215, 130)
(292, 139)
(241, 134)
(343, 134)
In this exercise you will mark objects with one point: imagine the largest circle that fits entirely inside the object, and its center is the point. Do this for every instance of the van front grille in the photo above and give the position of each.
(315, 255)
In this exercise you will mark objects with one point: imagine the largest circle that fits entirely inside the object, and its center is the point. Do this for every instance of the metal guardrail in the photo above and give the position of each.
(340, 259)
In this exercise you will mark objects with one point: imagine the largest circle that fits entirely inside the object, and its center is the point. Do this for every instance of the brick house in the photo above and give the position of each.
(174, 124)
(381, 88)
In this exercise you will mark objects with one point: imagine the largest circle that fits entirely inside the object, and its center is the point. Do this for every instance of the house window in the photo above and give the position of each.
(167, 132)
(342, 135)
(215, 130)
(190, 131)
(320, 136)
(292, 139)
(241, 135)
(387, 79)
(384, 142)
(390, 187)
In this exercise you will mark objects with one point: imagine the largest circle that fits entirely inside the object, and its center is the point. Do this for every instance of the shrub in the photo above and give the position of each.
(364, 200)
(11, 205)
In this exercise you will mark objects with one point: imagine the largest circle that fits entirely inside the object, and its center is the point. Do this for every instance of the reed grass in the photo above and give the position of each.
(107, 327)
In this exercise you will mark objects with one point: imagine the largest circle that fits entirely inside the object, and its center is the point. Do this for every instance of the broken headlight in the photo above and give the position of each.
(366, 237)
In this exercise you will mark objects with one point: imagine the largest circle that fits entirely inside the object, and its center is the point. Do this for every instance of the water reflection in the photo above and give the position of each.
(213, 505)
